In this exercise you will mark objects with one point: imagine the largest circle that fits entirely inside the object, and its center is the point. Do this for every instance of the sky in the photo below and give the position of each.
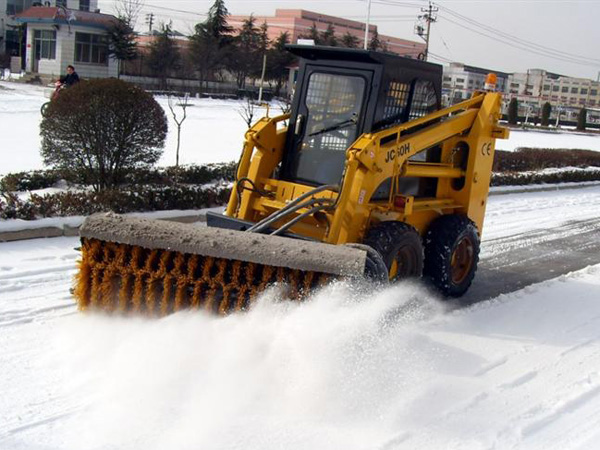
(506, 35)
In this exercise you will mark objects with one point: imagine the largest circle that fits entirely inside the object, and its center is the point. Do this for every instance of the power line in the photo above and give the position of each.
(522, 46)
(516, 42)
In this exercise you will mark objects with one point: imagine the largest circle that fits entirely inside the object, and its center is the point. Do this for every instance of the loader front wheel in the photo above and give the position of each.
(400, 246)
(375, 268)
(451, 254)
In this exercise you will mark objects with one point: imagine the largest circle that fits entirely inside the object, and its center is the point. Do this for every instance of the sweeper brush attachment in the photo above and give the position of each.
(157, 267)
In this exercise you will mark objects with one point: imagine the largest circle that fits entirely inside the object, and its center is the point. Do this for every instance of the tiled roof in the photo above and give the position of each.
(51, 14)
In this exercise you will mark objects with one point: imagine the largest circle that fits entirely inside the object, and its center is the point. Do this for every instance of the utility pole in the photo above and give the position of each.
(150, 21)
(429, 17)
(367, 25)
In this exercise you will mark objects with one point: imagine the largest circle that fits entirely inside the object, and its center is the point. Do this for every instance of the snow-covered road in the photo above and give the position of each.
(392, 370)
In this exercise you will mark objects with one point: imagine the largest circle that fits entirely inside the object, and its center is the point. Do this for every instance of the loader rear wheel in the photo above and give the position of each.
(399, 244)
(451, 254)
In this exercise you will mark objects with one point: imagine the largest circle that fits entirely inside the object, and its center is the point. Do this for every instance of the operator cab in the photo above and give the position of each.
(343, 93)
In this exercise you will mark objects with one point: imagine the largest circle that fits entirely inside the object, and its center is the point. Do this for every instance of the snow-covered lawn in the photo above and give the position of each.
(213, 131)
(549, 139)
(396, 369)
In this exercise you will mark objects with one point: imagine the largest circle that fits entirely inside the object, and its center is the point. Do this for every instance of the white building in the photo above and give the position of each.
(67, 33)
(567, 94)
(460, 81)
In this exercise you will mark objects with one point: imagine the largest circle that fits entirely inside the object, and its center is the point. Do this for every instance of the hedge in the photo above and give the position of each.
(526, 159)
(517, 178)
(192, 174)
(134, 199)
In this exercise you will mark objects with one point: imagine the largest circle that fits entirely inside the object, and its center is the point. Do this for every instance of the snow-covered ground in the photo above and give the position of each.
(396, 369)
(549, 139)
(212, 132)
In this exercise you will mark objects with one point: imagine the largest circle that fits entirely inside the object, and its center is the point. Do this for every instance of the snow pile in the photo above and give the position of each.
(325, 374)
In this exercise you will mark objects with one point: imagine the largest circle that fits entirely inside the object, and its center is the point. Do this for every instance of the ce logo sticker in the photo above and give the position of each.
(486, 149)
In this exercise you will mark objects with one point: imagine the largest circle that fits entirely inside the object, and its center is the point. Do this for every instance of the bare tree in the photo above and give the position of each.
(247, 111)
(129, 10)
(183, 104)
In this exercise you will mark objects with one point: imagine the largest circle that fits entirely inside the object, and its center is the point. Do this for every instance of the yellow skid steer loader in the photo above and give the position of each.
(366, 177)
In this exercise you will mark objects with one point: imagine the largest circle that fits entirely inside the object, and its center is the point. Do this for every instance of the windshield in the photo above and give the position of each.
(333, 103)
(332, 111)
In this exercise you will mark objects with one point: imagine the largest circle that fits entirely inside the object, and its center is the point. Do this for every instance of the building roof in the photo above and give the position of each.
(57, 15)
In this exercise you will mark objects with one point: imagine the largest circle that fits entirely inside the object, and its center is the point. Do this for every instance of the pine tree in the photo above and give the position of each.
(245, 52)
(327, 37)
(122, 45)
(546, 111)
(216, 22)
(349, 41)
(210, 44)
(374, 43)
(582, 119)
(313, 33)
(164, 56)
(278, 61)
(513, 111)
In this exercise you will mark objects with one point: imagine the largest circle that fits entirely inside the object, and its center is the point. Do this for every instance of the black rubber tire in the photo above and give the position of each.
(446, 235)
(375, 269)
(400, 242)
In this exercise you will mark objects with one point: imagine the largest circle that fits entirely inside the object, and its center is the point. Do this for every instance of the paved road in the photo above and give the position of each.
(524, 259)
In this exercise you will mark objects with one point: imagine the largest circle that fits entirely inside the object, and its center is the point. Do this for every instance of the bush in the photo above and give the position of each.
(582, 119)
(162, 176)
(141, 198)
(29, 181)
(546, 111)
(524, 159)
(101, 129)
(517, 179)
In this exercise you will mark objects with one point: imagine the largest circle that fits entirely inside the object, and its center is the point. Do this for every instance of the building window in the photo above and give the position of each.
(45, 44)
(594, 92)
(555, 88)
(583, 91)
(514, 85)
(582, 101)
(14, 7)
(460, 80)
(447, 78)
(546, 87)
(592, 102)
(91, 48)
(574, 90)
(564, 89)
(84, 5)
